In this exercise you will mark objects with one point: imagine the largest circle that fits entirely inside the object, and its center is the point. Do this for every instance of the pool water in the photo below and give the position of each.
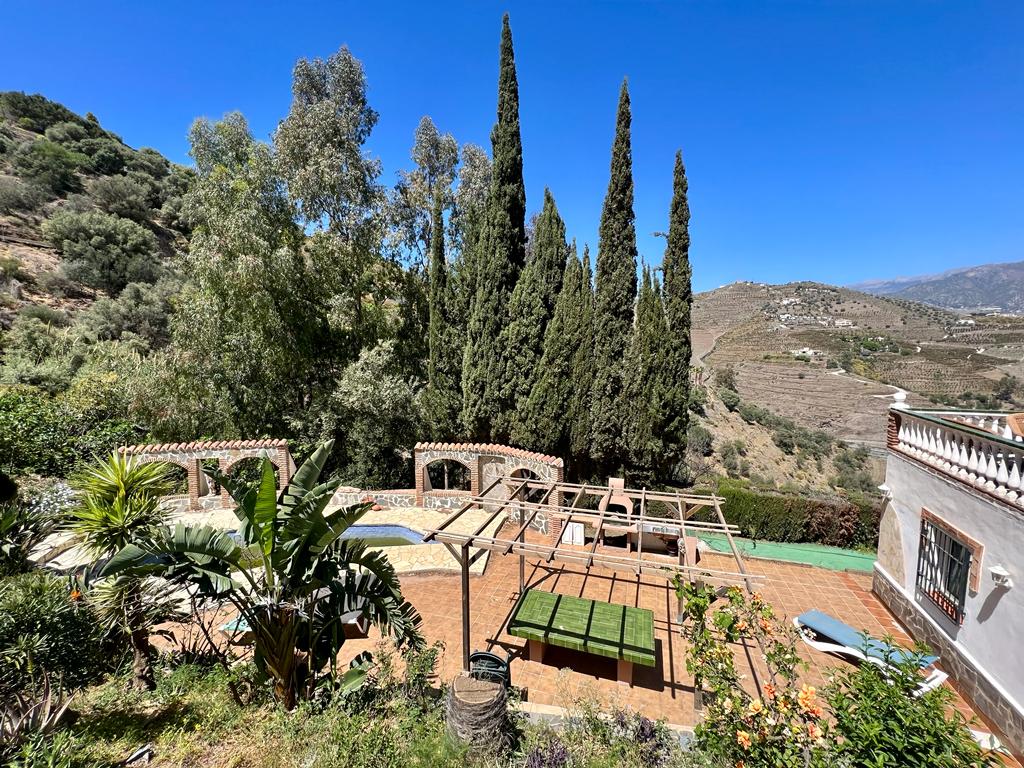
(384, 535)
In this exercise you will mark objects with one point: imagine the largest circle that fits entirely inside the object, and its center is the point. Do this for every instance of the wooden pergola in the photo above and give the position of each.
(681, 508)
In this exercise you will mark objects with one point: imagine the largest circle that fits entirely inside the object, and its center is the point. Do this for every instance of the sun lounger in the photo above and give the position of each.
(829, 635)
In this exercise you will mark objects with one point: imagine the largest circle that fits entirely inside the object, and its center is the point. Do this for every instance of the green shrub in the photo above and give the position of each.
(46, 435)
(45, 314)
(150, 162)
(729, 397)
(104, 251)
(121, 196)
(45, 628)
(883, 722)
(16, 195)
(66, 133)
(49, 165)
(699, 440)
(141, 310)
(106, 156)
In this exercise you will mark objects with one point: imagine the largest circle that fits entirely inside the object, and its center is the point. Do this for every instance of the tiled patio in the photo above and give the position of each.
(664, 691)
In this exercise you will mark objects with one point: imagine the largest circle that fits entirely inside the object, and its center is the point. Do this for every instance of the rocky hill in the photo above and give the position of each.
(82, 214)
(982, 289)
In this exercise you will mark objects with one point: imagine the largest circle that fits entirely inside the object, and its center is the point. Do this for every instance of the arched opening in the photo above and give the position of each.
(177, 479)
(249, 471)
(447, 475)
(532, 495)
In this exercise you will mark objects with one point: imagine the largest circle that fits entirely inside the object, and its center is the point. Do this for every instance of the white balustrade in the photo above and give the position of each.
(992, 462)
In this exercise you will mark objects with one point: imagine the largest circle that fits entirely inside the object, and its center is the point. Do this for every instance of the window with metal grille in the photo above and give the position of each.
(943, 569)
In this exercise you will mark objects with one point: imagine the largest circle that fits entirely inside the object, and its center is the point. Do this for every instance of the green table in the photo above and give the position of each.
(603, 629)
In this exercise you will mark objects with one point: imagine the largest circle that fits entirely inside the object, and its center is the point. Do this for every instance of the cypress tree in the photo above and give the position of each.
(645, 421)
(530, 310)
(442, 398)
(614, 298)
(500, 259)
(544, 422)
(678, 297)
(582, 376)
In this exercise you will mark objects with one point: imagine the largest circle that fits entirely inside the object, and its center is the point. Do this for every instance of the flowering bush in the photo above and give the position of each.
(780, 725)
(869, 717)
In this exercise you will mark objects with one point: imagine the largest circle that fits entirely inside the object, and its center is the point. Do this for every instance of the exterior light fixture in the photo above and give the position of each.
(1001, 577)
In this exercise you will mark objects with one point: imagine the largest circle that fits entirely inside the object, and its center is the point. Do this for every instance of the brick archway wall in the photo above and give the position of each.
(226, 452)
(486, 462)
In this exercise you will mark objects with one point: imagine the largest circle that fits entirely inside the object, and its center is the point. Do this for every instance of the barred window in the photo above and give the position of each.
(943, 569)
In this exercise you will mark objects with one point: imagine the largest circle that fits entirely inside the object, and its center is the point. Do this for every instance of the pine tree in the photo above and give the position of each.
(544, 422)
(442, 397)
(678, 297)
(645, 385)
(500, 258)
(614, 298)
(530, 310)
(582, 377)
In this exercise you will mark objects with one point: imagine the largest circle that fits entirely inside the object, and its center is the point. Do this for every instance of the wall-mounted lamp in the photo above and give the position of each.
(1001, 577)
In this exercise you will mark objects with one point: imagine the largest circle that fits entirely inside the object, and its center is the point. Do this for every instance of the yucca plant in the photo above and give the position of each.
(120, 503)
(293, 579)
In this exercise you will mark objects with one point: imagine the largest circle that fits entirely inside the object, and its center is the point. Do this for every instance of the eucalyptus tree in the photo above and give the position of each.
(245, 320)
(295, 579)
(330, 177)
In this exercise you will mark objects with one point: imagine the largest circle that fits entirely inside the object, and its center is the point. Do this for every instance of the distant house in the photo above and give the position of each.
(951, 550)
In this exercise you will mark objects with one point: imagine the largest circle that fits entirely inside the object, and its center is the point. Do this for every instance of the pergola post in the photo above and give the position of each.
(522, 561)
(465, 608)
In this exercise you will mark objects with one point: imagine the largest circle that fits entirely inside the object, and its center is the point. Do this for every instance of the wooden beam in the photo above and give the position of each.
(465, 508)
(490, 519)
(465, 609)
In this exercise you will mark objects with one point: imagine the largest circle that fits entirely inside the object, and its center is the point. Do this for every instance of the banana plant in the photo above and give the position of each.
(290, 574)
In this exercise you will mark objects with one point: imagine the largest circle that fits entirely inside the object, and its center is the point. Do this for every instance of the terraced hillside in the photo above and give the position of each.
(831, 358)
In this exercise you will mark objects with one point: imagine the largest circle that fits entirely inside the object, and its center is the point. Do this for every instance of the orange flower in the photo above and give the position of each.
(806, 697)
(814, 711)
(741, 625)
(765, 626)
(756, 707)
(769, 691)
(813, 731)
(743, 739)
(740, 764)
(75, 594)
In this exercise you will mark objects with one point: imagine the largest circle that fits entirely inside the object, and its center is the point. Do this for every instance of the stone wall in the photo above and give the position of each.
(486, 463)
(190, 457)
(986, 697)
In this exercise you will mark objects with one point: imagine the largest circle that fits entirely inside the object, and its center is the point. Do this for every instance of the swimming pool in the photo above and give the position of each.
(384, 535)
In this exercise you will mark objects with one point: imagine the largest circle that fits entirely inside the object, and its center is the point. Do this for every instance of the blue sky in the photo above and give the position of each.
(825, 140)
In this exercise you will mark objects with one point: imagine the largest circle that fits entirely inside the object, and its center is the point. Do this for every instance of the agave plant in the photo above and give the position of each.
(23, 715)
(293, 579)
(120, 502)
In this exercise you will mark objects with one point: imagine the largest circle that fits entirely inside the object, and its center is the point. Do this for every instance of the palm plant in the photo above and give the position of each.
(120, 502)
(294, 580)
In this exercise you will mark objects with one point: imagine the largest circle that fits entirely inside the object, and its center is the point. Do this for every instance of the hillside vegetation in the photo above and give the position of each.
(830, 358)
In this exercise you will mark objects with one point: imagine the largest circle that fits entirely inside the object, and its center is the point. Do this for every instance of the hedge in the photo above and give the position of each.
(769, 516)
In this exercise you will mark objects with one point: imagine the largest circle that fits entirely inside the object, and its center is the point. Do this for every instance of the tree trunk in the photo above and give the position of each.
(142, 667)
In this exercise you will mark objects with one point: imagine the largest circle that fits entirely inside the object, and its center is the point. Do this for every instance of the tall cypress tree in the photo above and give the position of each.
(544, 422)
(530, 310)
(645, 385)
(442, 397)
(500, 259)
(614, 298)
(678, 297)
(582, 376)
